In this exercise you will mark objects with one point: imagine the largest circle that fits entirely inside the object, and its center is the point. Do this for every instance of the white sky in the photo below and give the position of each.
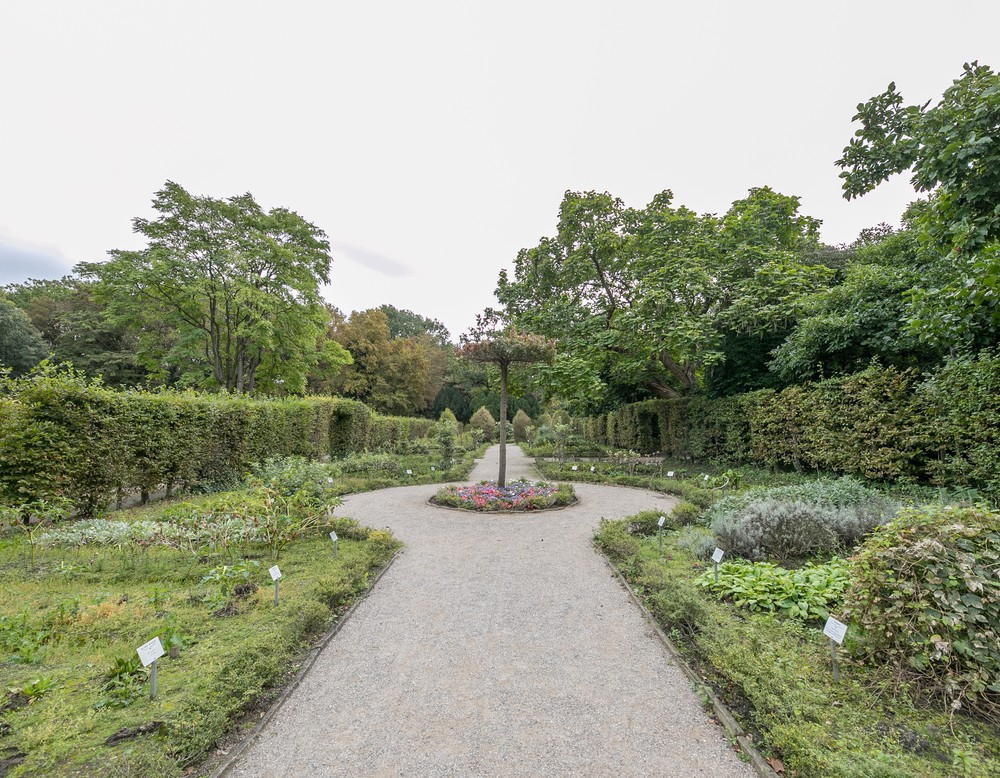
(432, 140)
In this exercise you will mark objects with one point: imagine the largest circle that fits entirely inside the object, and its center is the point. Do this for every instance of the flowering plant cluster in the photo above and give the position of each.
(515, 496)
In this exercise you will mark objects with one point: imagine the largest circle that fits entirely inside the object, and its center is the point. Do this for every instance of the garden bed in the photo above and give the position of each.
(515, 497)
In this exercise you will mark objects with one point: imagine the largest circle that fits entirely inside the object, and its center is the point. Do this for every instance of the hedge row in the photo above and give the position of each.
(63, 435)
(882, 423)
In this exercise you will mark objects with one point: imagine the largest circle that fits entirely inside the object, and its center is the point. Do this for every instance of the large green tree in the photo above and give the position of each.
(21, 345)
(953, 151)
(399, 376)
(235, 286)
(643, 297)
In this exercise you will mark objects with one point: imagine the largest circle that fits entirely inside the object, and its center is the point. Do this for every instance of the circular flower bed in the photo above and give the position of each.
(486, 496)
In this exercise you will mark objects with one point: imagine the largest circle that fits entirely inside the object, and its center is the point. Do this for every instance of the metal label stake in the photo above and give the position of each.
(276, 576)
(148, 654)
(835, 630)
(716, 558)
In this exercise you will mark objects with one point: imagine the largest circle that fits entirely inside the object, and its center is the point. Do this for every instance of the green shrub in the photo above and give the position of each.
(521, 422)
(648, 523)
(369, 464)
(677, 605)
(686, 513)
(926, 596)
(614, 540)
(798, 521)
(769, 529)
(697, 541)
(306, 479)
(483, 421)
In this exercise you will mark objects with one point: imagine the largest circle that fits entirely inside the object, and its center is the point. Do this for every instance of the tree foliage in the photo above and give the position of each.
(394, 375)
(21, 345)
(643, 296)
(236, 286)
(77, 330)
(953, 151)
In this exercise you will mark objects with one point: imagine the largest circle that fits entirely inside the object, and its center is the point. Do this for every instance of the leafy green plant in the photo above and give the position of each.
(228, 581)
(171, 637)
(686, 513)
(808, 593)
(30, 517)
(123, 683)
(34, 689)
(926, 596)
(309, 481)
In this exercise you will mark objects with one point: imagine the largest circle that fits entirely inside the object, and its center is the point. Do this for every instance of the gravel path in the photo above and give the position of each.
(495, 645)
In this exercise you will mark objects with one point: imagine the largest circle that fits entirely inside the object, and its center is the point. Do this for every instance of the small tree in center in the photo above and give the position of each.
(505, 348)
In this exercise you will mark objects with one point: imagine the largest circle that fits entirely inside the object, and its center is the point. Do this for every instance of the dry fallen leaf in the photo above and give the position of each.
(776, 765)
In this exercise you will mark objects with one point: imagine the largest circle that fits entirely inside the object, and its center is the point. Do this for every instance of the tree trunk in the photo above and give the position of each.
(502, 478)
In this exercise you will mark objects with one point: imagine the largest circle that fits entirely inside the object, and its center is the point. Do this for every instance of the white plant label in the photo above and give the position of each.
(662, 521)
(433, 469)
(592, 468)
(329, 480)
(275, 573)
(706, 478)
(573, 468)
(670, 474)
(150, 652)
(333, 536)
(835, 630)
(717, 555)
(409, 472)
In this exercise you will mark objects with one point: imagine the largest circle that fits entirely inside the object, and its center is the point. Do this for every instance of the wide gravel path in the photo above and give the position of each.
(495, 645)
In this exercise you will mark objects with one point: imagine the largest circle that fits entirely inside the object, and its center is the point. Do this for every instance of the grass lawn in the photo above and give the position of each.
(65, 624)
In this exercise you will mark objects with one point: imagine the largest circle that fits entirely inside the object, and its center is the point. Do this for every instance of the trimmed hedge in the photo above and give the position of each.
(882, 423)
(61, 434)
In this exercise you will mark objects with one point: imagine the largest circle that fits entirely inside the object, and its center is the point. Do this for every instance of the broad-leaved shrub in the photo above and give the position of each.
(926, 597)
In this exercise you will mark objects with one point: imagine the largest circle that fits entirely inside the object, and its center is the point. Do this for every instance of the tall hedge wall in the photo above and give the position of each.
(63, 435)
(882, 423)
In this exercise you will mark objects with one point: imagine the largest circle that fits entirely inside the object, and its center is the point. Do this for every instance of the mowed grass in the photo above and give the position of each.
(64, 624)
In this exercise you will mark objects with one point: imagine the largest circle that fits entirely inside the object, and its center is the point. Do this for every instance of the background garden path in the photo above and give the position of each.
(495, 645)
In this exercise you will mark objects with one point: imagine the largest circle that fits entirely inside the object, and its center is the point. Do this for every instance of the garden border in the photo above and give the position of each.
(245, 742)
(722, 712)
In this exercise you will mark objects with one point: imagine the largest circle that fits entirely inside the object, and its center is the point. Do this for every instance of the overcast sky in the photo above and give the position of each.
(432, 140)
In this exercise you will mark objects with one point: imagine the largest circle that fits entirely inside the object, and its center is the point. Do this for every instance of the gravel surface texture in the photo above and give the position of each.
(495, 645)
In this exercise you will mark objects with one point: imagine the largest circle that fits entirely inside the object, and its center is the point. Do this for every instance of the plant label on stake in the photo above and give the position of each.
(148, 653)
(574, 468)
(835, 630)
(670, 474)
(275, 575)
(716, 558)
(659, 531)
(333, 537)
(592, 468)
(409, 472)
